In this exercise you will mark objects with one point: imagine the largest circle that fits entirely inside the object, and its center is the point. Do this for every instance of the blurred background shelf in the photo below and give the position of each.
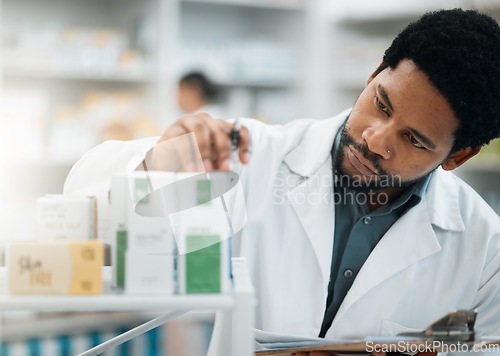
(295, 5)
(259, 84)
(75, 76)
(112, 311)
(77, 73)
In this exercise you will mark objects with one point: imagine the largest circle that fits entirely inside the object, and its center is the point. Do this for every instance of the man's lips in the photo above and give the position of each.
(362, 167)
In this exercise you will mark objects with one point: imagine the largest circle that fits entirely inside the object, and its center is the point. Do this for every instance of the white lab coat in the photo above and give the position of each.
(443, 254)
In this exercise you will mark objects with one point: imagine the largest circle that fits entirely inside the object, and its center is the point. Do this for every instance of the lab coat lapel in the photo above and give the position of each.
(408, 241)
(312, 198)
(312, 202)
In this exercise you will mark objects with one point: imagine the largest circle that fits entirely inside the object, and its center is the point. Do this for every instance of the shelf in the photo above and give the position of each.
(52, 325)
(234, 333)
(375, 18)
(365, 12)
(277, 5)
(111, 301)
(115, 302)
(42, 162)
(95, 77)
(479, 168)
(258, 84)
(485, 5)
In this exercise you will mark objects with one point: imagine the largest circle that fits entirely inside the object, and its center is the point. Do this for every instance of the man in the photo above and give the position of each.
(354, 226)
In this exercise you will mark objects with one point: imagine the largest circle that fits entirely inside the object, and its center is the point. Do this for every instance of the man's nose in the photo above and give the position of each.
(378, 139)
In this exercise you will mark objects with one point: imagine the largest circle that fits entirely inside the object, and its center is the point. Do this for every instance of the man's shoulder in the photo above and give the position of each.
(449, 194)
(298, 127)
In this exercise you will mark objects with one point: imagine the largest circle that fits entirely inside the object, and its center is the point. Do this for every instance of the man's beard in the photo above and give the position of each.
(359, 182)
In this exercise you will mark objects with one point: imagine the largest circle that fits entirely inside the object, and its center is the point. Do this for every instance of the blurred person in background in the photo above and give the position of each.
(198, 93)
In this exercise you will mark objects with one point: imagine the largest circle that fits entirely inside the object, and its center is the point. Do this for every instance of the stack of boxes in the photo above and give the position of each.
(171, 234)
(67, 258)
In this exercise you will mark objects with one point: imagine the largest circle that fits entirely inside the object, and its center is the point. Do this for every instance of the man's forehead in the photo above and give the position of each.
(412, 96)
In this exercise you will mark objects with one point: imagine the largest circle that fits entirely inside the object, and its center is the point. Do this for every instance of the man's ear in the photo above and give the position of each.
(380, 68)
(459, 158)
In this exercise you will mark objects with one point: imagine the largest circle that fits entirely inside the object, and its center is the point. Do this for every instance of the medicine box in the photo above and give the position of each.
(143, 254)
(203, 238)
(171, 234)
(55, 267)
(66, 217)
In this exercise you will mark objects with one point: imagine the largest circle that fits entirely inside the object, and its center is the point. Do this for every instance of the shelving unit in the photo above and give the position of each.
(127, 79)
(250, 49)
(140, 47)
(261, 4)
(62, 64)
(236, 308)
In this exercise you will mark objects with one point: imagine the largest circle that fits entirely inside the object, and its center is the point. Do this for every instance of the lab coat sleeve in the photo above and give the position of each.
(92, 173)
(487, 301)
(488, 297)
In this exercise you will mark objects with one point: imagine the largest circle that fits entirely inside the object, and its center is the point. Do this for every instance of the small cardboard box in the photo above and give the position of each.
(55, 267)
(66, 217)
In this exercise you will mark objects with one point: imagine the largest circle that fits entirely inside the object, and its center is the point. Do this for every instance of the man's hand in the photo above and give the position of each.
(175, 152)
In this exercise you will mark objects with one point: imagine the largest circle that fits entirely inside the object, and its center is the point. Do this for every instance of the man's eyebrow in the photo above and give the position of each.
(423, 138)
(384, 96)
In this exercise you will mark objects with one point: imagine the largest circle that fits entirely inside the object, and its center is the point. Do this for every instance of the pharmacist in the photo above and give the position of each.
(355, 225)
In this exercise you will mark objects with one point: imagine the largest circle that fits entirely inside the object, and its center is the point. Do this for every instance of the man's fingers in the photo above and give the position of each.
(177, 154)
(173, 131)
(244, 145)
(190, 138)
(212, 146)
(244, 142)
(221, 144)
(202, 133)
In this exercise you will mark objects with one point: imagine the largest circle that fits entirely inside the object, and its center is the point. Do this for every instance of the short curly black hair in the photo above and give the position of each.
(459, 51)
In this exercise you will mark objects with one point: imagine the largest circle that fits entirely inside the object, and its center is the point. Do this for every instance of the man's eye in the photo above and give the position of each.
(414, 141)
(381, 105)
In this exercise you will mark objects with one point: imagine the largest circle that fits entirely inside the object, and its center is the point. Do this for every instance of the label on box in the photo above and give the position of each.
(149, 273)
(203, 266)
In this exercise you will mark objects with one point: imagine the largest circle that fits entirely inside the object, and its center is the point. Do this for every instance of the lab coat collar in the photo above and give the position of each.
(443, 203)
(314, 149)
